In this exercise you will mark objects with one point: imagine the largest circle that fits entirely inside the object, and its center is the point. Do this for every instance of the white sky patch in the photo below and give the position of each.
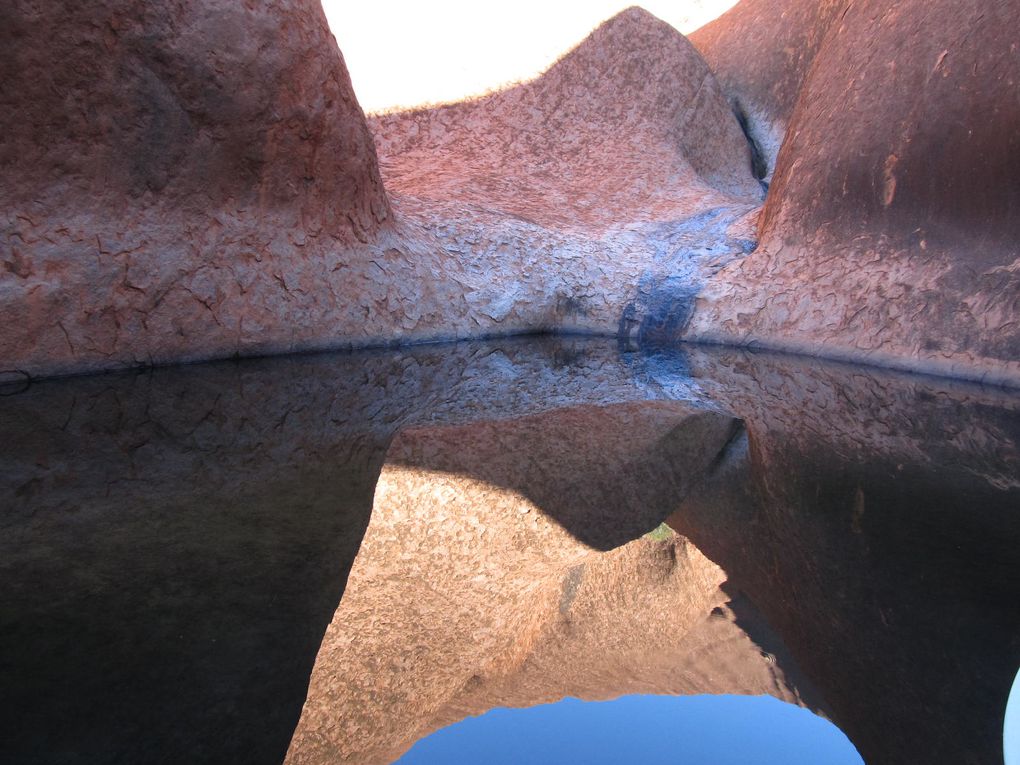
(402, 53)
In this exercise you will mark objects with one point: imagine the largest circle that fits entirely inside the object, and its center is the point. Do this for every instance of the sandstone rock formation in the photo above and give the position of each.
(200, 182)
(204, 109)
(761, 51)
(192, 183)
(164, 170)
(615, 133)
(594, 198)
(482, 560)
(891, 232)
(196, 180)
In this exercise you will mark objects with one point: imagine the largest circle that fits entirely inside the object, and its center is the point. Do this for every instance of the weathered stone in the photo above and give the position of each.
(892, 230)
(761, 52)
(200, 182)
(151, 156)
(629, 127)
(114, 109)
(495, 607)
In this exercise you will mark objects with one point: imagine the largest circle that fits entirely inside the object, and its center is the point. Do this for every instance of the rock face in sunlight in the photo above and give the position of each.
(484, 554)
(589, 145)
(178, 183)
(203, 184)
(212, 107)
(892, 226)
(596, 197)
(761, 52)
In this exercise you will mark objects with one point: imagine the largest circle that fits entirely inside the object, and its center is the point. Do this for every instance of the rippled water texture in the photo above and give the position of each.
(326, 558)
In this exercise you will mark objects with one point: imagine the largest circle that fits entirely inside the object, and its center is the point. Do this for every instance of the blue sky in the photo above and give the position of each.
(693, 730)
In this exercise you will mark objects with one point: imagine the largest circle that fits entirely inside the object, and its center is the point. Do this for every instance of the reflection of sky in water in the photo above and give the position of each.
(1011, 729)
(699, 730)
(177, 543)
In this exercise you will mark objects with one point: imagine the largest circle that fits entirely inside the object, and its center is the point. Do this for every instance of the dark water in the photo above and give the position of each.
(174, 544)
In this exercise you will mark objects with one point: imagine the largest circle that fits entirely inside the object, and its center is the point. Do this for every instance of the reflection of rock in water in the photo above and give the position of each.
(173, 544)
(173, 547)
(873, 519)
(477, 584)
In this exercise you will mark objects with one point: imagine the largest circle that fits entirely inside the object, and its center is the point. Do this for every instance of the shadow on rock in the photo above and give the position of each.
(872, 519)
(606, 474)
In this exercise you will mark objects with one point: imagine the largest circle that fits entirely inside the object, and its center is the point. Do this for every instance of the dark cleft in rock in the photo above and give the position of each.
(891, 230)
(761, 52)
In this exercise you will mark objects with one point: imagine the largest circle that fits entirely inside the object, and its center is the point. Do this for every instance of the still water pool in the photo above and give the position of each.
(655, 730)
(330, 558)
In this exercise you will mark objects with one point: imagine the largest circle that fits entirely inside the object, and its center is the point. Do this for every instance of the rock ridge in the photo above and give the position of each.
(200, 183)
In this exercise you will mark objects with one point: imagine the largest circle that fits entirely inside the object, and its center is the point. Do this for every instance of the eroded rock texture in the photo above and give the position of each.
(761, 52)
(501, 554)
(596, 197)
(892, 229)
(613, 133)
(115, 107)
(175, 180)
(198, 181)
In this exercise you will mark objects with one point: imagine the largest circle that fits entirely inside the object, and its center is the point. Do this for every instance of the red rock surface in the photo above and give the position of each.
(489, 554)
(164, 167)
(761, 51)
(200, 183)
(616, 132)
(892, 230)
(208, 107)
(565, 203)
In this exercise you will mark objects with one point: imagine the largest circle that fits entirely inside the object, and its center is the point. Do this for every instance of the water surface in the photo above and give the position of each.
(175, 548)
(653, 730)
